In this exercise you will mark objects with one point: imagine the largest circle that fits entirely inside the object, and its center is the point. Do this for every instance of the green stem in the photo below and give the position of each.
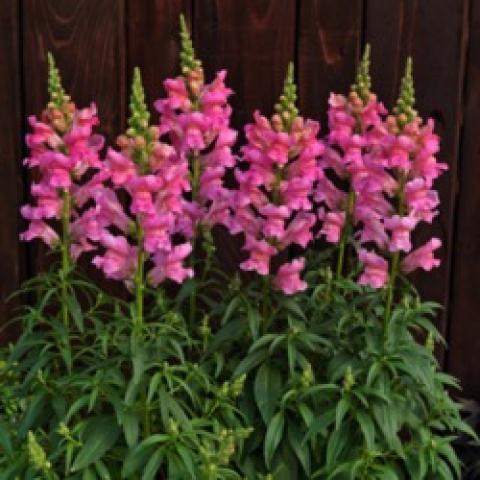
(196, 172)
(66, 259)
(265, 303)
(140, 279)
(345, 232)
(395, 265)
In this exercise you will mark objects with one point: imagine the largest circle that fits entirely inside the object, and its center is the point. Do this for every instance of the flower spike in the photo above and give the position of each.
(139, 114)
(58, 97)
(286, 105)
(363, 81)
(187, 54)
(404, 109)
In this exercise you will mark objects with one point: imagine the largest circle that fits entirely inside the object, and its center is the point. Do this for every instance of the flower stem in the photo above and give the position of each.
(395, 266)
(345, 232)
(66, 259)
(140, 279)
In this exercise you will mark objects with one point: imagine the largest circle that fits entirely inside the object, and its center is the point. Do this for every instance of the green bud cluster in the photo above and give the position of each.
(404, 110)
(307, 377)
(232, 389)
(348, 380)
(172, 428)
(138, 121)
(286, 105)
(57, 95)
(188, 61)
(36, 454)
(205, 329)
(363, 81)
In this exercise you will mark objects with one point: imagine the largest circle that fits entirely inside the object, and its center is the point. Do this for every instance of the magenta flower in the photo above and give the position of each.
(400, 229)
(170, 265)
(422, 257)
(332, 226)
(375, 273)
(275, 176)
(288, 278)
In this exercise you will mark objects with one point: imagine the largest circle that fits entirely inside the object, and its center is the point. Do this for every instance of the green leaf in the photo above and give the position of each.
(267, 390)
(230, 309)
(295, 438)
(273, 436)
(342, 408)
(5, 442)
(187, 459)
(99, 436)
(367, 426)
(337, 443)
(249, 362)
(153, 465)
(76, 311)
(320, 423)
(130, 422)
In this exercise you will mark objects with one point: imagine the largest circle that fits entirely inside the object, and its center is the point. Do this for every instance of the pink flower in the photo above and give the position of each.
(375, 273)
(39, 229)
(120, 167)
(157, 229)
(170, 265)
(260, 253)
(177, 94)
(332, 226)
(288, 278)
(141, 189)
(110, 211)
(421, 200)
(400, 227)
(422, 257)
(120, 259)
(299, 230)
(275, 216)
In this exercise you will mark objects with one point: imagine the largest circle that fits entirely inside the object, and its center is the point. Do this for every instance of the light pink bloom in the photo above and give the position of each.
(39, 229)
(260, 254)
(421, 200)
(400, 228)
(120, 167)
(288, 278)
(157, 229)
(422, 257)
(170, 265)
(120, 258)
(332, 226)
(375, 273)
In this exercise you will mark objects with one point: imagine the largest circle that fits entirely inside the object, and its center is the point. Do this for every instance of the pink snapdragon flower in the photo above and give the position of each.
(375, 273)
(422, 257)
(196, 118)
(62, 148)
(288, 278)
(275, 176)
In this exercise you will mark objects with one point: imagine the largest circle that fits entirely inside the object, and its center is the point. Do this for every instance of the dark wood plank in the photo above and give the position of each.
(87, 39)
(11, 187)
(153, 41)
(464, 335)
(329, 42)
(254, 40)
(434, 33)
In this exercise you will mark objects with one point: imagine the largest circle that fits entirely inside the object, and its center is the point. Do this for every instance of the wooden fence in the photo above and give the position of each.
(98, 42)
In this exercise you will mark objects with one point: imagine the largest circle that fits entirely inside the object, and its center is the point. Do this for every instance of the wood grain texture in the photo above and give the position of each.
(11, 187)
(434, 33)
(254, 40)
(87, 39)
(329, 42)
(464, 338)
(153, 41)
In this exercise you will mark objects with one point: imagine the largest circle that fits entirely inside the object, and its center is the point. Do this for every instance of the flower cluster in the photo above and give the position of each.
(62, 148)
(150, 175)
(195, 116)
(368, 186)
(273, 207)
(388, 162)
